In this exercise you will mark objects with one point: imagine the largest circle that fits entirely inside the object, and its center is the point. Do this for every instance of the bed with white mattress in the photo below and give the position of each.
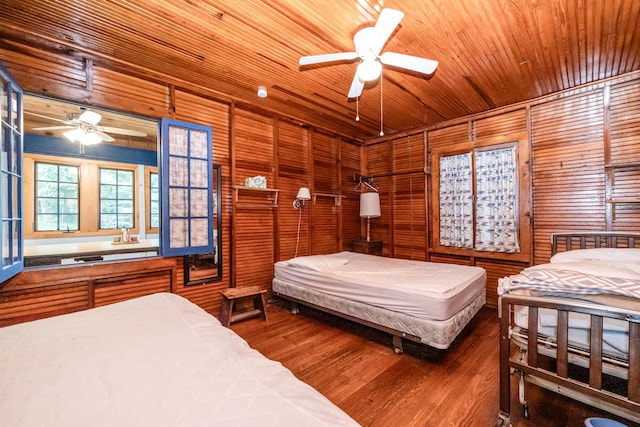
(573, 325)
(157, 360)
(422, 301)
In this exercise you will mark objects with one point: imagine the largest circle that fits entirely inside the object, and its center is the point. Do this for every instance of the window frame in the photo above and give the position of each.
(174, 151)
(89, 207)
(134, 199)
(148, 171)
(523, 193)
(11, 208)
(36, 197)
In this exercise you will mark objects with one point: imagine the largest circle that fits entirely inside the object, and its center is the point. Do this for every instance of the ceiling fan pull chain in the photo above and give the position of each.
(358, 108)
(381, 113)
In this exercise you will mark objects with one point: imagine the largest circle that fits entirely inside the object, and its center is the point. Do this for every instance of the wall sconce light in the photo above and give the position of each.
(262, 92)
(369, 208)
(303, 194)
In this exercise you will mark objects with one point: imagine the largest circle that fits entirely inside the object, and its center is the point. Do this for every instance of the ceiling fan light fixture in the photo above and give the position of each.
(74, 135)
(369, 70)
(90, 138)
(82, 136)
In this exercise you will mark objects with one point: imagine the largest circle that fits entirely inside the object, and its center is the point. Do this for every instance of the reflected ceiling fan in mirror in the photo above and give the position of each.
(368, 44)
(84, 128)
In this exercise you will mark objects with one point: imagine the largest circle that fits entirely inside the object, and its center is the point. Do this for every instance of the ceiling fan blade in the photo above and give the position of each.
(414, 63)
(386, 23)
(356, 87)
(104, 136)
(90, 117)
(46, 117)
(120, 131)
(54, 128)
(328, 57)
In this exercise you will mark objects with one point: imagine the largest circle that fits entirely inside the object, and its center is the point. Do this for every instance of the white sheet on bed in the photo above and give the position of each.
(420, 289)
(578, 277)
(153, 361)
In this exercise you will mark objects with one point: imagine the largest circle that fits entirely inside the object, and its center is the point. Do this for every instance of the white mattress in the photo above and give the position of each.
(435, 333)
(615, 334)
(419, 289)
(153, 361)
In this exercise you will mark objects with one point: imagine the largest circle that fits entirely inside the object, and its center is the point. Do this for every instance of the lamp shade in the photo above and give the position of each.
(303, 194)
(369, 205)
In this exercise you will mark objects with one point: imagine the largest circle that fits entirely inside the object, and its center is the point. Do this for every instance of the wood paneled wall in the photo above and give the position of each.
(246, 142)
(583, 166)
(582, 162)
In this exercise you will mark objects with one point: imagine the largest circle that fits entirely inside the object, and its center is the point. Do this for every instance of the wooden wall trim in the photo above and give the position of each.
(44, 277)
(45, 292)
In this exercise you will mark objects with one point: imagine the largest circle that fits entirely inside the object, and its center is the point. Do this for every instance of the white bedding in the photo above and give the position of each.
(152, 361)
(589, 275)
(419, 289)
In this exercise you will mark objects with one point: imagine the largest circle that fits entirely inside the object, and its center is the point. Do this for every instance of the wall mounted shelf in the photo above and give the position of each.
(272, 196)
(337, 197)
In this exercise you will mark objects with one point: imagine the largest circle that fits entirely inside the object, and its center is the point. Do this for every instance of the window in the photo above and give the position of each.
(187, 196)
(154, 200)
(57, 197)
(89, 197)
(116, 199)
(11, 205)
(490, 178)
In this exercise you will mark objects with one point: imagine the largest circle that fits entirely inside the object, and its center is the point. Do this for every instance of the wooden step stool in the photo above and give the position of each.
(231, 295)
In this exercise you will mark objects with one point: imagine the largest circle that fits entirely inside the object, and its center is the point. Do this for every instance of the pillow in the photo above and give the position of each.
(602, 254)
(318, 262)
(624, 270)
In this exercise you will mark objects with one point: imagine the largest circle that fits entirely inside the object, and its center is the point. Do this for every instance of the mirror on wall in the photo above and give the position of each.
(200, 269)
(91, 188)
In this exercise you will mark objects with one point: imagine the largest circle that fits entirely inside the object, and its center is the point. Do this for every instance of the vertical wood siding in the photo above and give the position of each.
(623, 159)
(293, 173)
(326, 174)
(568, 167)
(350, 161)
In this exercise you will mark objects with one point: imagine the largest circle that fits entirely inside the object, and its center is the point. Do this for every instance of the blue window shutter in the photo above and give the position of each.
(187, 192)
(11, 193)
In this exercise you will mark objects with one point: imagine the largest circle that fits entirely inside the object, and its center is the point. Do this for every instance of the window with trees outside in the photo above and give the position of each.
(57, 197)
(116, 198)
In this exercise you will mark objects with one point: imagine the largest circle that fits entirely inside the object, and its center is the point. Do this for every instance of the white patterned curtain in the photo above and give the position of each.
(496, 200)
(456, 201)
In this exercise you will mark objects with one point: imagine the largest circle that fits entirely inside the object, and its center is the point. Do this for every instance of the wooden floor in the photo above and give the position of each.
(356, 368)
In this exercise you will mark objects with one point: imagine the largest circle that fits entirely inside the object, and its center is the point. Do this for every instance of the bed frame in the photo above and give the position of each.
(401, 326)
(553, 364)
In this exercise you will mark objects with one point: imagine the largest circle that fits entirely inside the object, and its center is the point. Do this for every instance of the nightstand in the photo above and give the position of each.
(373, 247)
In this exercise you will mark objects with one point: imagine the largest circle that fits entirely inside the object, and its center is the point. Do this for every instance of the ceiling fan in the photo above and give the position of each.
(84, 128)
(368, 43)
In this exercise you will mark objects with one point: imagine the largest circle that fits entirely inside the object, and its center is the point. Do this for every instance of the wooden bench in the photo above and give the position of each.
(231, 295)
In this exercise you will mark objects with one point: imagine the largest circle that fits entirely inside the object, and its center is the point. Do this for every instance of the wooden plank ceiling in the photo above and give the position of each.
(491, 52)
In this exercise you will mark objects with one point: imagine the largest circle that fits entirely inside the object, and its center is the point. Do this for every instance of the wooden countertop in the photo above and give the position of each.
(83, 249)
